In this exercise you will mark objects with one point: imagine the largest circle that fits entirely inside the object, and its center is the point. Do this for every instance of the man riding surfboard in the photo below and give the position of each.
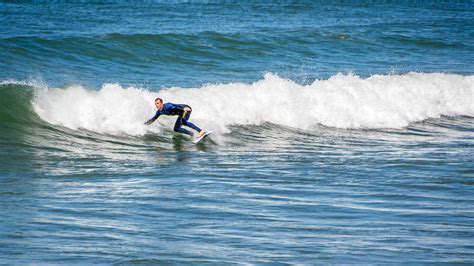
(183, 111)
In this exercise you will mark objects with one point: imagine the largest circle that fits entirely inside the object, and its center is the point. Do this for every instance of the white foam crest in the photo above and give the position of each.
(342, 101)
(112, 110)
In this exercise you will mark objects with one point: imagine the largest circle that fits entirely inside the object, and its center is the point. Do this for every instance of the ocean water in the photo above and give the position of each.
(343, 132)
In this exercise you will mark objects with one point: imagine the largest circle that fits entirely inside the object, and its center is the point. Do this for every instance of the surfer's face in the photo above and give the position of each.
(158, 104)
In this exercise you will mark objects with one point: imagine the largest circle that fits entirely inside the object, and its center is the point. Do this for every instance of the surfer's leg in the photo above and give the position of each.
(186, 122)
(193, 126)
(178, 128)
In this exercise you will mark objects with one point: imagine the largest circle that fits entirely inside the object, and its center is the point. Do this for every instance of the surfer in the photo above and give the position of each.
(183, 112)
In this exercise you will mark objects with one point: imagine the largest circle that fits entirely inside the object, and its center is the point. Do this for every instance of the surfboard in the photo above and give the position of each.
(196, 141)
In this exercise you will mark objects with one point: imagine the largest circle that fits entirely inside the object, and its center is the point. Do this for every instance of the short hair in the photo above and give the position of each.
(159, 99)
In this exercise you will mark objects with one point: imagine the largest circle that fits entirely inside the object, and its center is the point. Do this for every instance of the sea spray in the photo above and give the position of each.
(342, 101)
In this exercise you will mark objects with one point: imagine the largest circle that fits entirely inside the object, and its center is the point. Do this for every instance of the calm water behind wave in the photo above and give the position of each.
(163, 45)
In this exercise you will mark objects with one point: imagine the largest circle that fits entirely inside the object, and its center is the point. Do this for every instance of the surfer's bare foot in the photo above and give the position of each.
(202, 132)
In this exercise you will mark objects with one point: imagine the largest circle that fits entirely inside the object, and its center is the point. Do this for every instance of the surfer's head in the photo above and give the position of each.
(159, 103)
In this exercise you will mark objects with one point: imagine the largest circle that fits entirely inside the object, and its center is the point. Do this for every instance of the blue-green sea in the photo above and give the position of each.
(343, 132)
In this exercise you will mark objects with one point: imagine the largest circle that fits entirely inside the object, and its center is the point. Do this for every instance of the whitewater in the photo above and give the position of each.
(342, 101)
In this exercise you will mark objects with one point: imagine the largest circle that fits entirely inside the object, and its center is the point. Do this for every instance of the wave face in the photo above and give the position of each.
(15, 104)
(343, 101)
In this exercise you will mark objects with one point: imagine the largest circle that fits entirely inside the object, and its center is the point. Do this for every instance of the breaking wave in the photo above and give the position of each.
(342, 101)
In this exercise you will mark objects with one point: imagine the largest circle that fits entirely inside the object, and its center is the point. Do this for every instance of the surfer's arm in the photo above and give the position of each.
(151, 120)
